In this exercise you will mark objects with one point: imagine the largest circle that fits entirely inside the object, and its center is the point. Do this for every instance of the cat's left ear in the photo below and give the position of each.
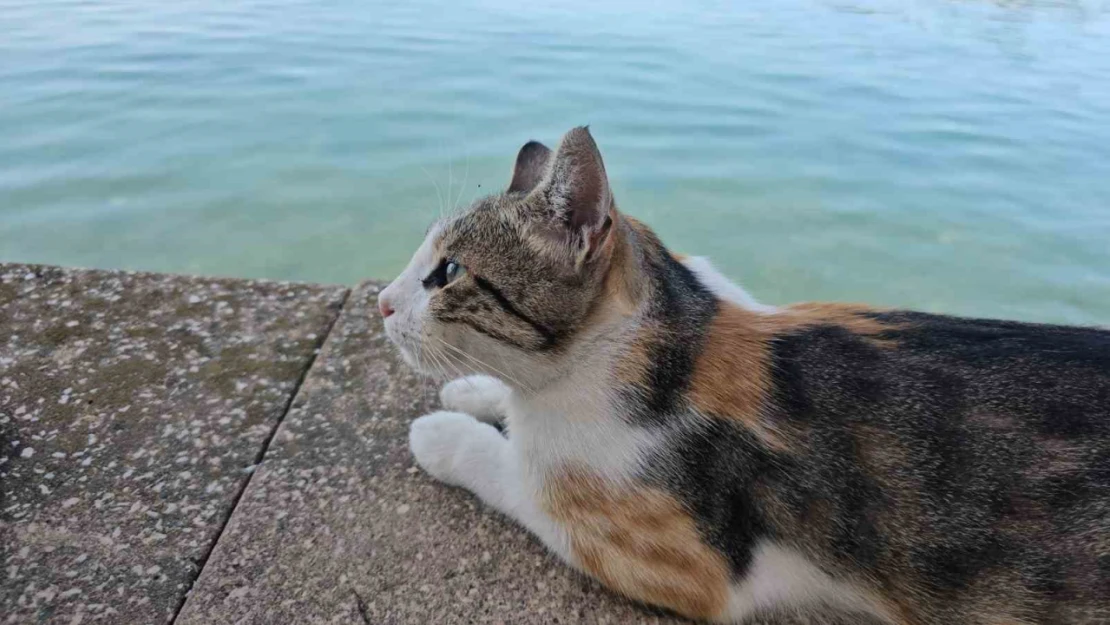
(575, 192)
(530, 167)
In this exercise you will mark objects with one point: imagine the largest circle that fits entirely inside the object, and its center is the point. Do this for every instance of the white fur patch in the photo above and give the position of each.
(479, 396)
(409, 300)
(456, 448)
(723, 287)
(460, 450)
(573, 423)
(782, 577)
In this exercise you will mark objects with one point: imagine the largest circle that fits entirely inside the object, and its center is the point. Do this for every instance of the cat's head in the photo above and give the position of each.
(505, 286)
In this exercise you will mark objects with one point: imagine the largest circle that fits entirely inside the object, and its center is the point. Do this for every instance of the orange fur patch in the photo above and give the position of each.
(852, 317)
(622, 288)
(639, 542)
(732, 378)
(632, 367)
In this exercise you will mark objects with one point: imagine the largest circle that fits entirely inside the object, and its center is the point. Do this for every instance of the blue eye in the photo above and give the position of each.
(444, 273)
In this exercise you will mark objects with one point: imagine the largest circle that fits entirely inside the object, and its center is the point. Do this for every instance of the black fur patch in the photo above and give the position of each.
(473, 323)
(550, 337)
(682, 310)
(718, 466)
(990, 432)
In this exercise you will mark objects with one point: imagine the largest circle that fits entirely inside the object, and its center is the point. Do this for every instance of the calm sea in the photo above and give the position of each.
(947, 155)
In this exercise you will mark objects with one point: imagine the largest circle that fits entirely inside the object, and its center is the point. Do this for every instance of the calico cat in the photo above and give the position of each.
(740, 463)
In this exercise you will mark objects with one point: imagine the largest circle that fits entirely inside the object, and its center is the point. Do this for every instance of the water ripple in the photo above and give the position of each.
(948, 155)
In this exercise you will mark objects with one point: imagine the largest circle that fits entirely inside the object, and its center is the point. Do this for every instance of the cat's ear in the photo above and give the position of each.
(576, 190)
(531, 165)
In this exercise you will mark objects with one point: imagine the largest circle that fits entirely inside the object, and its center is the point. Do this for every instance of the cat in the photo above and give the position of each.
(741, 463)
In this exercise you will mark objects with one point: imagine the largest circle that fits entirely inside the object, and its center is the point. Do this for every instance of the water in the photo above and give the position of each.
(938, 154)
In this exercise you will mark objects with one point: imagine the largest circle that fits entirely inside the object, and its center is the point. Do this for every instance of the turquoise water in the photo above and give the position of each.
(939, 154)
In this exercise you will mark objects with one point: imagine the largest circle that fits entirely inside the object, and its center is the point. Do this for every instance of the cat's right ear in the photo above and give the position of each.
(530, 168)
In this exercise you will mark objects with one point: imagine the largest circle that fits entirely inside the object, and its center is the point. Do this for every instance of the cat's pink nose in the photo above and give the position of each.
(384, 307)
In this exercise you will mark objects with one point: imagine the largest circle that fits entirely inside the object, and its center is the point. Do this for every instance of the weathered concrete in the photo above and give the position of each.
(132, 408)
(338, 526)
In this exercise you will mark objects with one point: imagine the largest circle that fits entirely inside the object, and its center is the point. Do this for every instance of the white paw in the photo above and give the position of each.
(480, 396)
(454, 447)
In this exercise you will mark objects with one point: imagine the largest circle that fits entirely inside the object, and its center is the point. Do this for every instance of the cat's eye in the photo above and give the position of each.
(445, 273)
(452, 271)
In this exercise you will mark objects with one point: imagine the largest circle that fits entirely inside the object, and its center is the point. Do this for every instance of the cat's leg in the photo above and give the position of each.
(460, 450)
(479, 396)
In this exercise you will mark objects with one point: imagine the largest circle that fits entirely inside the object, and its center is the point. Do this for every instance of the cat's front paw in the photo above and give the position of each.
(480, 396)
(450, 445)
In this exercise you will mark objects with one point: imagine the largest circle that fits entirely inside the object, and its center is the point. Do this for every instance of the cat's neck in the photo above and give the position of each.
(579, 417)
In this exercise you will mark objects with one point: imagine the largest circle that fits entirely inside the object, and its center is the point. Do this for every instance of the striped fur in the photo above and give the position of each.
(735, 462)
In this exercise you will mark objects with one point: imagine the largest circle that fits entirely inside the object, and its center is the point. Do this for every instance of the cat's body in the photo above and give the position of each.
(735, 462)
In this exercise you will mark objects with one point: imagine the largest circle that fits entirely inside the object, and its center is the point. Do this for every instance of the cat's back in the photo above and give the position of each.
(1052, 379)
(967, 458)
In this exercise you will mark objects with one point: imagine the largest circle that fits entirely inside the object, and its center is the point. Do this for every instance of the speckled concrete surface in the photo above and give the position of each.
(338, 525)
(132, 408)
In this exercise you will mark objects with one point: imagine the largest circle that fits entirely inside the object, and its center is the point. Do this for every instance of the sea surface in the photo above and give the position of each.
(945, 155)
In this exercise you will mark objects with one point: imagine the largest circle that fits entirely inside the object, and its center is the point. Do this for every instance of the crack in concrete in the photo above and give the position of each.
(361, 607)
(261, 456)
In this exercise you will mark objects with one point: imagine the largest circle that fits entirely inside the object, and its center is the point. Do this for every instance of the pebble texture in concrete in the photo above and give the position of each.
(339, 526)
(132, 408)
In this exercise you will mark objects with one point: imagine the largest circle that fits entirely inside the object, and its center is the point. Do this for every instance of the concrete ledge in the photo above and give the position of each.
(132, 407)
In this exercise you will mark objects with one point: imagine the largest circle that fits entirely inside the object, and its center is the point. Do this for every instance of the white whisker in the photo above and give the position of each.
(462, 189)
(458, 365)
(484, 364)
(439, 196)
(421, 367)
(441, 362)
(455, 366)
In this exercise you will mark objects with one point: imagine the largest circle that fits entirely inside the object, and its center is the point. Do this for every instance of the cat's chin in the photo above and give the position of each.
(425, 369)
(431, 373)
